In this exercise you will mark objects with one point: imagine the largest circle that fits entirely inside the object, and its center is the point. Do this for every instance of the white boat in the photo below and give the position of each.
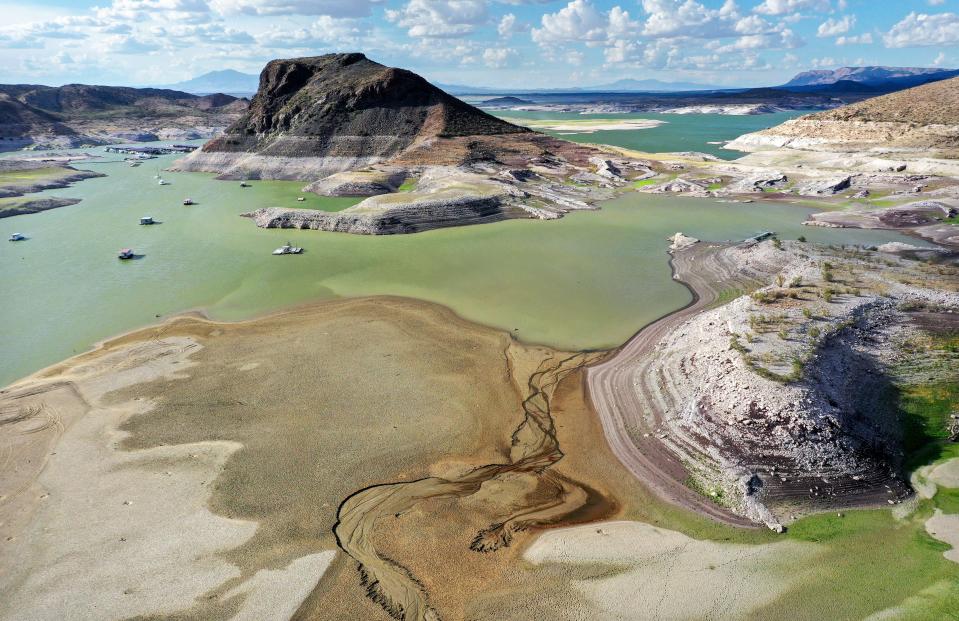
(125, 253)
(17, 237)
(300, 199)
(147, 220)
(244, 184)
(188, 201)
(288, 248)
(162, 182)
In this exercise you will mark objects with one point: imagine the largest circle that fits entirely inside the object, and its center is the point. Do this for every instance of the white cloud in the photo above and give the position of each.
(687, 18)
(498, 58)
(939, 60)
(922, 30)
(323, 34)
(509, 26)
(333, 8)
(577, 21)
(439, 18)
(832, 27)
(863, 39)
(782, 7)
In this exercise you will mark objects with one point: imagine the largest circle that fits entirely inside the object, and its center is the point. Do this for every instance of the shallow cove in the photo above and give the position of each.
(587, 281)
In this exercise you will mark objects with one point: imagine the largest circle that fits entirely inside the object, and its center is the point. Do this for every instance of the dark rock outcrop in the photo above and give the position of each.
(345, 105)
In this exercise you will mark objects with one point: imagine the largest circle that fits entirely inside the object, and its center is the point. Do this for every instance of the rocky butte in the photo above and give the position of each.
(355, 127)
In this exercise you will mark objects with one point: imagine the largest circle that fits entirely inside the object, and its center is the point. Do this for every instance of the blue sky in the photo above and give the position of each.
(501, 43)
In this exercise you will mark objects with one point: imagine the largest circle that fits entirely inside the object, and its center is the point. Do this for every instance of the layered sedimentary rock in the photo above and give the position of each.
(922, 120)
(444, 196)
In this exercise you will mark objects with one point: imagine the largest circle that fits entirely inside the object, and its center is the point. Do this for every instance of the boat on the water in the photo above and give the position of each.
(125, 253)
(300, 199)
(244, 184)
(288, 248)
(162, 182)
(147, 220)
(17, 237)
(188, 201)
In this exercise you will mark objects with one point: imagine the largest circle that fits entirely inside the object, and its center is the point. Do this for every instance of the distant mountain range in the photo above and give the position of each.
(627, 85)
(902, 77)
(225, 81)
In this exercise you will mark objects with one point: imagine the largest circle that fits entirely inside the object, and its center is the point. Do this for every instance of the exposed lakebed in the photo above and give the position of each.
(587, 281)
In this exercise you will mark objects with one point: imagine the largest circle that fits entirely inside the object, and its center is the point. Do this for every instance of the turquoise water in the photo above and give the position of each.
(589, 280)
(680, 132)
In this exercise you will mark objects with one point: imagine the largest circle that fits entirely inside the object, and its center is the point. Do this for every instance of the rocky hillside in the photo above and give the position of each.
(922, 120)
(79, 114)
(782, 401)
(337, 112)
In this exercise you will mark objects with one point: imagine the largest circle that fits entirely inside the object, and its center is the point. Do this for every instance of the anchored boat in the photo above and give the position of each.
(162, 182)
(147, 220)
(125, 253)
(188, 201)
(288, 248)
(17, 237)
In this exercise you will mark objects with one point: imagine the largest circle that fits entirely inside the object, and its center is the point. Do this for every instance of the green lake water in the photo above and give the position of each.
(589, 280)
(680, 132)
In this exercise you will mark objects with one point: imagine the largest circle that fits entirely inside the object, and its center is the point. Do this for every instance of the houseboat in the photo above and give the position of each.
(288, 249)
(147, 220)
(188, 201)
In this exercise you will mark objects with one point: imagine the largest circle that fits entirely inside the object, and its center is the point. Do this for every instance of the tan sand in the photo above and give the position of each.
(589, 126)
(631, 570)
(945, 474)
(945, 528)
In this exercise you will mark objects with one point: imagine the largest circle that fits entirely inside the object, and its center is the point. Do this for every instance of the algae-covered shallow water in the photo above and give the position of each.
(705, 133)
(589, 280)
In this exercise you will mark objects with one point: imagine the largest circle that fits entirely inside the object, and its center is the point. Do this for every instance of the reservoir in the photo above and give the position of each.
(589, 280)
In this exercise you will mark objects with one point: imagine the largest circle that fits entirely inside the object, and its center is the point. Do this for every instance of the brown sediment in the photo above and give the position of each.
(534, 449)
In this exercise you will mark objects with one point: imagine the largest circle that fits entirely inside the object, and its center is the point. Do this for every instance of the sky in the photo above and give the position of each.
(498, 43)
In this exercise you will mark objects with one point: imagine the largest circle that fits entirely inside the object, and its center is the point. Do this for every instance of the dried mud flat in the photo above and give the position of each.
(325, 463)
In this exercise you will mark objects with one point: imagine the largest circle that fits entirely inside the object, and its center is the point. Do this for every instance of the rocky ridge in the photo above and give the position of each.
(922, 120)
(76, 115)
